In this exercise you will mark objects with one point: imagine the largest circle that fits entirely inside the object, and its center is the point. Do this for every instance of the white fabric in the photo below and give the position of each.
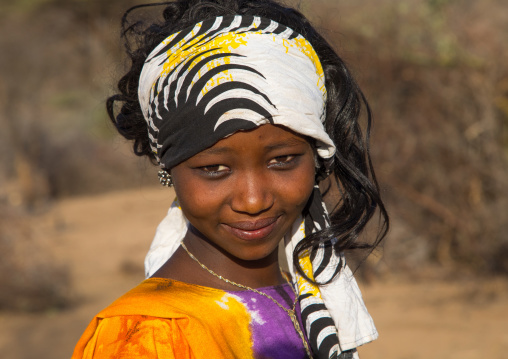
(168, 237)
(296, 92)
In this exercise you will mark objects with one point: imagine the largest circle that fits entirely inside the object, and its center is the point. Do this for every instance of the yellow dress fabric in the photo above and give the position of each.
(163, 318)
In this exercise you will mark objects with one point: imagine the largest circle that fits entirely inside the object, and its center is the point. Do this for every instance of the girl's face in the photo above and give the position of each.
(244, 192)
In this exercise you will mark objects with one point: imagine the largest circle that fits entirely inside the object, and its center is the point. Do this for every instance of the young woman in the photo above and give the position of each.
(246, 109)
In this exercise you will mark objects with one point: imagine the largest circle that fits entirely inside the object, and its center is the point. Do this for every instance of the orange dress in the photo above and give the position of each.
(163, 318)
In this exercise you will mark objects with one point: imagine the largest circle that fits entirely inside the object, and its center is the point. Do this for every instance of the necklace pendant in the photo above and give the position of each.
(296, 325)
(298, 329)
(292, 315)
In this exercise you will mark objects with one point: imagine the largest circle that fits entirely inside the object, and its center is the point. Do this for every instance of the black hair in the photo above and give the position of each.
(352, 168)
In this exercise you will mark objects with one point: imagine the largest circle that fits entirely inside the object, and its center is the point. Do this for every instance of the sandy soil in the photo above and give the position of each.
(103, 239)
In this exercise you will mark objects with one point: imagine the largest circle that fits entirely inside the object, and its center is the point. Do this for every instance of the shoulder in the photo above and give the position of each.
(159, 318)
(134, 336)
(163, 298)
(141, 323)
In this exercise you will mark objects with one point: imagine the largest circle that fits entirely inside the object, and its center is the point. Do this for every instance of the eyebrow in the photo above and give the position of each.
(215, 151)
(291, 142)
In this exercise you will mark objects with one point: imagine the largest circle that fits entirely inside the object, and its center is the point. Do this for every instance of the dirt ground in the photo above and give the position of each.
(104, 238)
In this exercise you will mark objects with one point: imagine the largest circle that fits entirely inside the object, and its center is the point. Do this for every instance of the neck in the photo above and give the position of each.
(251, 273)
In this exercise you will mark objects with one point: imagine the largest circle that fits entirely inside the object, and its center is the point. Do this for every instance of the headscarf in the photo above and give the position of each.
(234, 73)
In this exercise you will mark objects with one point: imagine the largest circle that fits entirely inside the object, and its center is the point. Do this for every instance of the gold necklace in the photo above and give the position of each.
(290, 312)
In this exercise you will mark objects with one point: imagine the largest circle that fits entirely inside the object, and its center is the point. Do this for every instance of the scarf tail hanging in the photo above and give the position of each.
(334, 315)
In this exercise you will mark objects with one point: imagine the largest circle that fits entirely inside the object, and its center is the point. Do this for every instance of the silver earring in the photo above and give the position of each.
(165, 178)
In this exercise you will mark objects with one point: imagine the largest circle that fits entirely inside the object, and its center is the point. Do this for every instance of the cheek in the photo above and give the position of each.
(297, 187)
(196, 200)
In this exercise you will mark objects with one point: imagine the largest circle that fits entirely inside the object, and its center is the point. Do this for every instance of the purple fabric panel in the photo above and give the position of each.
(273, 333)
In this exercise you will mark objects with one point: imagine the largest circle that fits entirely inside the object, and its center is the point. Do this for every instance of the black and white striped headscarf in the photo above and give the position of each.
(234, 73)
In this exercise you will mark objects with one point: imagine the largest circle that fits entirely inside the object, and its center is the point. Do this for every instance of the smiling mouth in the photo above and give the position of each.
(252, 230)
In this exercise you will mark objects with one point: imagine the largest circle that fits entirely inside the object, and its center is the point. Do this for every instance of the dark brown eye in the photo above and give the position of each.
(214, 170)
(281, 160)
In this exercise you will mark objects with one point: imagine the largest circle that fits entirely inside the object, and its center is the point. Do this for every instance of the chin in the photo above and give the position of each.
(256, 254)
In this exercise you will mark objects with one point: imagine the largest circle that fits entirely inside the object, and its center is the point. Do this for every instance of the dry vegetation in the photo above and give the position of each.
(435, 75)
(434, 72)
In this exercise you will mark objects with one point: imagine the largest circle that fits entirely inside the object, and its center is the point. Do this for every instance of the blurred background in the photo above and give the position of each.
(78, 210)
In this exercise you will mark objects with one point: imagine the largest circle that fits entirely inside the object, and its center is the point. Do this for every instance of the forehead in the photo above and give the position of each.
(266, 137)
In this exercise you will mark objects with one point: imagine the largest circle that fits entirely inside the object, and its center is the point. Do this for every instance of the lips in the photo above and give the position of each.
(252, 230)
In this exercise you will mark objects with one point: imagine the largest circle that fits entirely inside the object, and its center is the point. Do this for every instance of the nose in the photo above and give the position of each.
(252, 194)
